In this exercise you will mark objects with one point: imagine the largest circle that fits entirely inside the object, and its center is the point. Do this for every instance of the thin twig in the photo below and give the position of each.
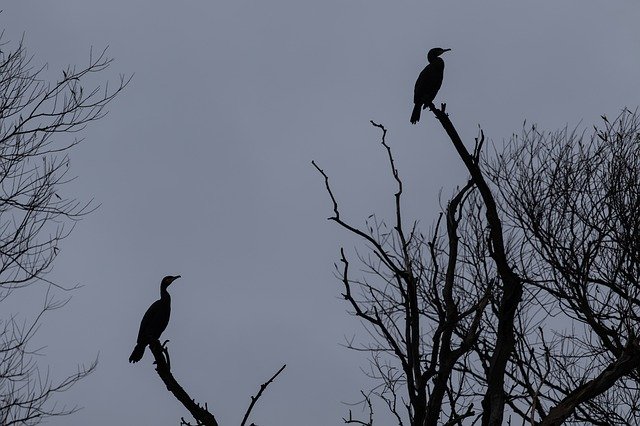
(254, 399)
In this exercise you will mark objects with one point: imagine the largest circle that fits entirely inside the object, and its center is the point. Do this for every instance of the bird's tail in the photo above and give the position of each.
(415, 115)
(137, 353)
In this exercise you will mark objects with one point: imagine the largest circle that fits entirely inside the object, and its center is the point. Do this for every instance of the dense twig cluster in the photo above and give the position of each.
(35, 215)
(574, 213)
(523, 301)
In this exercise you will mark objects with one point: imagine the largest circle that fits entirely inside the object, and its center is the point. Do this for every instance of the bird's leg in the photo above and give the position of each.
(165, 351)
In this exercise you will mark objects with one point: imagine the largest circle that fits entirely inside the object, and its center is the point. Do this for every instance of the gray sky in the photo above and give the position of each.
(202, 169)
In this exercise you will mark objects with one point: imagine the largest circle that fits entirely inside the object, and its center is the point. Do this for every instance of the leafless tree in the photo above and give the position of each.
(520, 305)
(571, 203)
(38, 122)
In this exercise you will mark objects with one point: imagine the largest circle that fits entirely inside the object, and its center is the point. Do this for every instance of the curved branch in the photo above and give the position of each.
(624, 365)
(201, 414)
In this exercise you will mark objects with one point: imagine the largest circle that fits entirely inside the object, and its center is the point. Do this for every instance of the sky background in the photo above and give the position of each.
(202, 168)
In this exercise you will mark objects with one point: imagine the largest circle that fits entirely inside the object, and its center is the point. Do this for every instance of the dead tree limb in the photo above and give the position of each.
(201, 414)
(494, 398)
(254, 399)
(623, 366)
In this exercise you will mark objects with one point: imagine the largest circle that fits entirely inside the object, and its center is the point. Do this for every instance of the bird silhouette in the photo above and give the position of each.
(428, 83)
(155, 320)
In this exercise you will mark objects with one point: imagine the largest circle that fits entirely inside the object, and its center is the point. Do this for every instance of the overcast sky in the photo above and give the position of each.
(202, 168)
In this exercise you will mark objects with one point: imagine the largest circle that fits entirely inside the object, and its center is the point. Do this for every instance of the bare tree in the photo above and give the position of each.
(520, 305)
(38, 120)
(571, 202)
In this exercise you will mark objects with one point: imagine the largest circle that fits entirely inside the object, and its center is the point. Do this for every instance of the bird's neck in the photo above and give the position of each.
(436, 60)
(164, 294)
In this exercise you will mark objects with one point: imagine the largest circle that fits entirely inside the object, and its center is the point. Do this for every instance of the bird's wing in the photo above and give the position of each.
(428, 83)
(150, 317)
(422, 85)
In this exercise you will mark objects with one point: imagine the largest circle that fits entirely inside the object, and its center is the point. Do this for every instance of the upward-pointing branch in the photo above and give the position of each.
(494, 398)
(254, 399)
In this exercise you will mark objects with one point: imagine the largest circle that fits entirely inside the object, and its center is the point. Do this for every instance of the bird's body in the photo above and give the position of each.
(428, 83)
(154, 321)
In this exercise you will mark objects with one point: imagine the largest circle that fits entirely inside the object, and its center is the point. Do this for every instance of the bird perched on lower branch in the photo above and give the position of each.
(155, 320)
(428, 83)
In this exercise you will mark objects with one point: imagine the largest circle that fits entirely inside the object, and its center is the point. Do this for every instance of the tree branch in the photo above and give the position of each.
(201, 414)
(494, 398)
(254, 399)
(624, 365)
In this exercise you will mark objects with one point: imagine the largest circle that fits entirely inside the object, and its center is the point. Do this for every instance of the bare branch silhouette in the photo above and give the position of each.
(199, 412)
(39, 121)
(523, 301)
(153, 324)
(255, 398)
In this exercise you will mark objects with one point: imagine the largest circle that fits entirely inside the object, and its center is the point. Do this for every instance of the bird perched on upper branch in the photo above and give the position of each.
(428, 82)
(155, 320)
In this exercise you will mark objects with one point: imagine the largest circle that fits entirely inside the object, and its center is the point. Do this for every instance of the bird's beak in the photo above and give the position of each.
(445, 50)
(176, 277)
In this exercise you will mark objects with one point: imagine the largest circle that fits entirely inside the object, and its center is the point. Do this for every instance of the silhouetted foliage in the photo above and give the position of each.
(37, 123)
(521, 305)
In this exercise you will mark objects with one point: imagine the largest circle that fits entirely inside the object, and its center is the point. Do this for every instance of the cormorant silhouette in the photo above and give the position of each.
(155, 320)
(428, 82)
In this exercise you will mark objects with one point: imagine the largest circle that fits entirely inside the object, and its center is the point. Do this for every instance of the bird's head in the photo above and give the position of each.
(168, 280)
(435, 52)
